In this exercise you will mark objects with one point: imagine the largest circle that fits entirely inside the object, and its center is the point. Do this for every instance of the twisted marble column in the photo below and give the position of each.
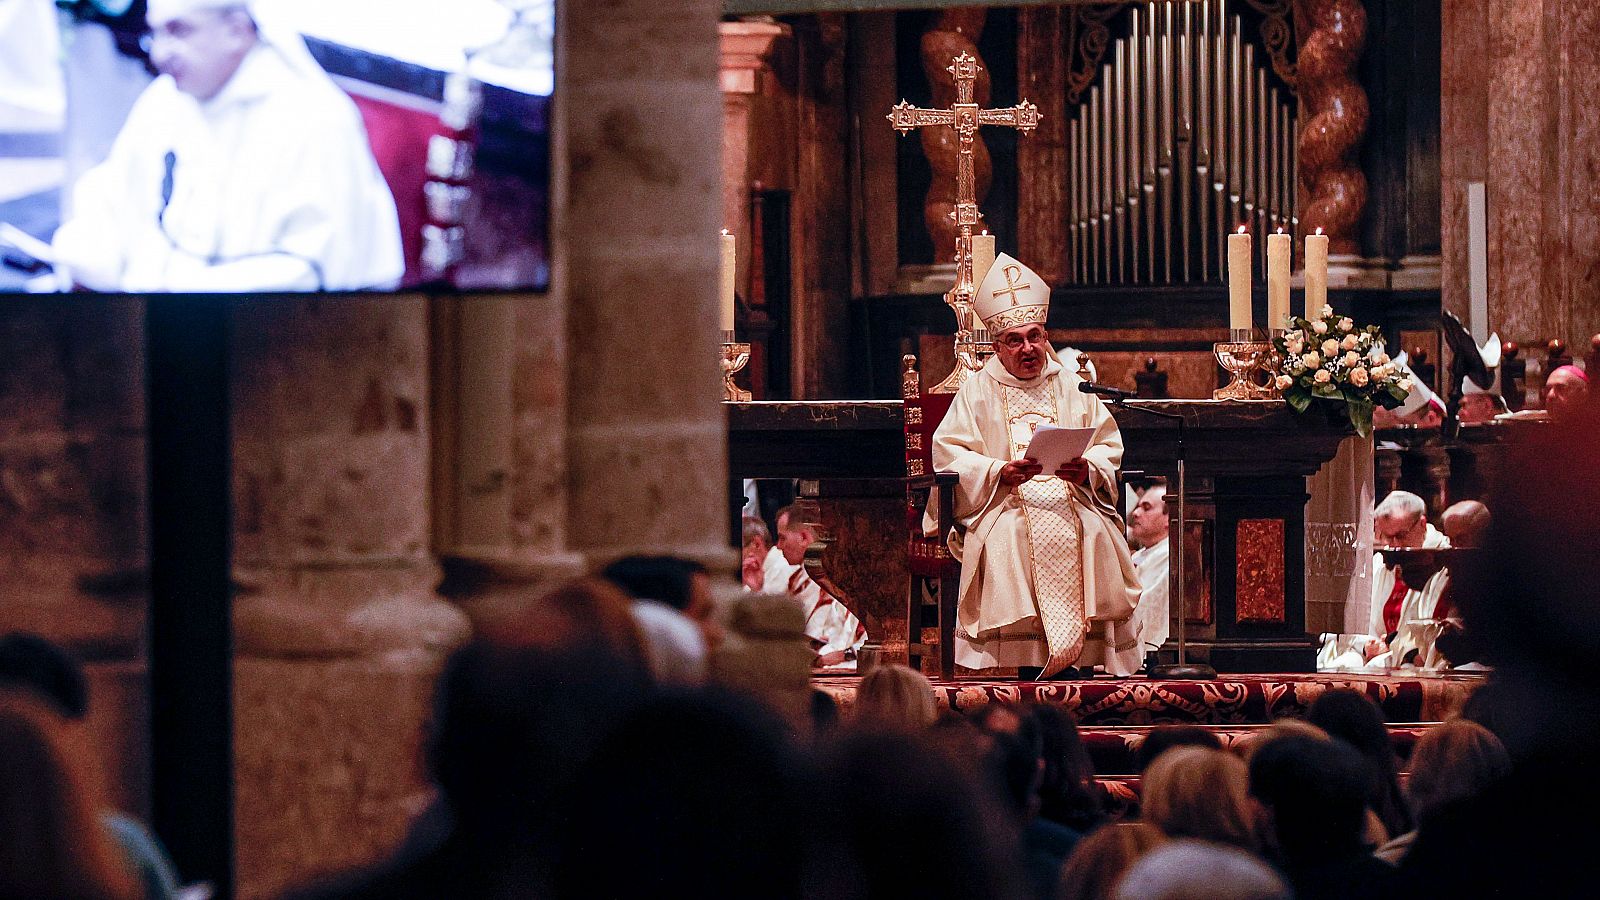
(951, 34)
(1335, 113)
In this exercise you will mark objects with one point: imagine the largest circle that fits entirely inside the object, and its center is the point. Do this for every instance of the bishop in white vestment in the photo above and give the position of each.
(243, 167)
(1046, 578)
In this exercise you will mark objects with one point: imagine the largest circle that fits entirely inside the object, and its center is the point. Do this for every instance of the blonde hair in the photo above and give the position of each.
(1100, 860)
(896, 696)
(1452, 760)
(1198, 792)
(55, 845)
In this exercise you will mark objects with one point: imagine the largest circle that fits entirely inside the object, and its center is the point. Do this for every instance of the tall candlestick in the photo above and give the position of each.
(1279, 248)
(982, 257)
(729, 261)
(1239, 316)
(1316, 274)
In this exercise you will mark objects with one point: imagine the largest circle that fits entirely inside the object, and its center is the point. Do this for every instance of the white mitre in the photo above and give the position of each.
(1490, 352)
(1421, 395)
(1011, 295)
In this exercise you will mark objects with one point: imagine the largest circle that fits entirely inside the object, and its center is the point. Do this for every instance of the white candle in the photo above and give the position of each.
(1239, 314)
(982, 257)
(729, 261)
(1477, 262)
(1279, 250)
(1316, 274)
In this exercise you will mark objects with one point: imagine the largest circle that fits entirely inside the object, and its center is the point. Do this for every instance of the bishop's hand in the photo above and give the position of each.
(1019, 470)
(1074, 470)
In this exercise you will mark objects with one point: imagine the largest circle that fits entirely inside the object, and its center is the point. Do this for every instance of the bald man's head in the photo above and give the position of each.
(1465, 522)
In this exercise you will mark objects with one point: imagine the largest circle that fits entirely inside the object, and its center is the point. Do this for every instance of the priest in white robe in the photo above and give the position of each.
(1403, 621)
(835, 632)
(1046, 577)
(242, 167)
(1147, 525)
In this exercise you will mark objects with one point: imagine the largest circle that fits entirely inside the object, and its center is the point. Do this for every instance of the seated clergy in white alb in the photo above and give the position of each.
(1403, 618)
(1147, 524)
(1046, 579)
(835, 632)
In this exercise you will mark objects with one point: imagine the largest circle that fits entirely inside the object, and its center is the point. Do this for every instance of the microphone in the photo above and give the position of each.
(1105, 390)
(170, 161)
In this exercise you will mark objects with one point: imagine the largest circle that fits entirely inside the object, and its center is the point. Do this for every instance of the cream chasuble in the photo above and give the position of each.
(1046, 578)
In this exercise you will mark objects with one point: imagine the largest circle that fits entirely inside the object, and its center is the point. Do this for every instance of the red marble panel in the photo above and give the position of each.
(1259, 577)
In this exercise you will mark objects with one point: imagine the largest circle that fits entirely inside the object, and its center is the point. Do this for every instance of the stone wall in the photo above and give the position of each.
(1518, 86)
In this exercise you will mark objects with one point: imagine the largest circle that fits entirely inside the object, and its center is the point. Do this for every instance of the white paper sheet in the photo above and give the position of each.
(1052, 446)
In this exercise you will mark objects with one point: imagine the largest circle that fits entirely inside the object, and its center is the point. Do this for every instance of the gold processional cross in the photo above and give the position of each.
(965, 116)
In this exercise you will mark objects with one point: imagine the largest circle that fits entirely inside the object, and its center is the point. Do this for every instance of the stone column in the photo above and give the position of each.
(73, 539)
(338, 632)
(500, 449)
(637, 207)
(744, 47)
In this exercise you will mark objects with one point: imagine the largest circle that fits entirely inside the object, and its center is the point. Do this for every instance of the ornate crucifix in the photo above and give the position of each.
(965, 117)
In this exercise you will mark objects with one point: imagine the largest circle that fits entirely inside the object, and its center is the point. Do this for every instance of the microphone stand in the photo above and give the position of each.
(1183, 670)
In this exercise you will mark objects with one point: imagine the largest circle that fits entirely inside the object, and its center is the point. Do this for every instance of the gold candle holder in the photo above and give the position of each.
(735, 356)
(1243, 359)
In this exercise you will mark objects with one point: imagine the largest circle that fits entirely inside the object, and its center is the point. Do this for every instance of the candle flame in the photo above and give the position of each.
(1280, 229)
(1241, 229)
(1319, 229)
(725, 231)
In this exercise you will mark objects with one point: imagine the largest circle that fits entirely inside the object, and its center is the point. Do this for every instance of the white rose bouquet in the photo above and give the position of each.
(1329, 358)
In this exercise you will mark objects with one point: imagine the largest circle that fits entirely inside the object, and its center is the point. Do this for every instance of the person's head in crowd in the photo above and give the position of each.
(1400, 520)
(585, 615)
(754, 538)
(1012, 756)
(512, 722)
(1147, 523)
(824, 712)
(1101, 859)
(1352, 717)
(1313, 796)
(693, 794)
(1464, 523)
(1197, 792)
(1283, 727)
(199, 43)
(673, 643)
(1453, 760)
(1566, 392)
(895, 696)
(1165, 737)
(40, 667)
(915, 816)
(1068, 794)
(682, 584)
(53, 845)
(1185, 870)
(683, 587)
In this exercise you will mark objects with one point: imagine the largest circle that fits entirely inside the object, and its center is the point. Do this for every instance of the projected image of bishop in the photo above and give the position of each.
(242, 167)
(1046, 578)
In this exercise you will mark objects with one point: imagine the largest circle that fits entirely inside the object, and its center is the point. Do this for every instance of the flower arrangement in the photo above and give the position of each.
(1329, 358)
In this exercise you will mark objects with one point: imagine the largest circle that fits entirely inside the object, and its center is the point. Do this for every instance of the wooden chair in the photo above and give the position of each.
(935, 575)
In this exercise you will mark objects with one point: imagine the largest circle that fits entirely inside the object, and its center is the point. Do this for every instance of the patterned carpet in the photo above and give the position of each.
(1229, 700)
